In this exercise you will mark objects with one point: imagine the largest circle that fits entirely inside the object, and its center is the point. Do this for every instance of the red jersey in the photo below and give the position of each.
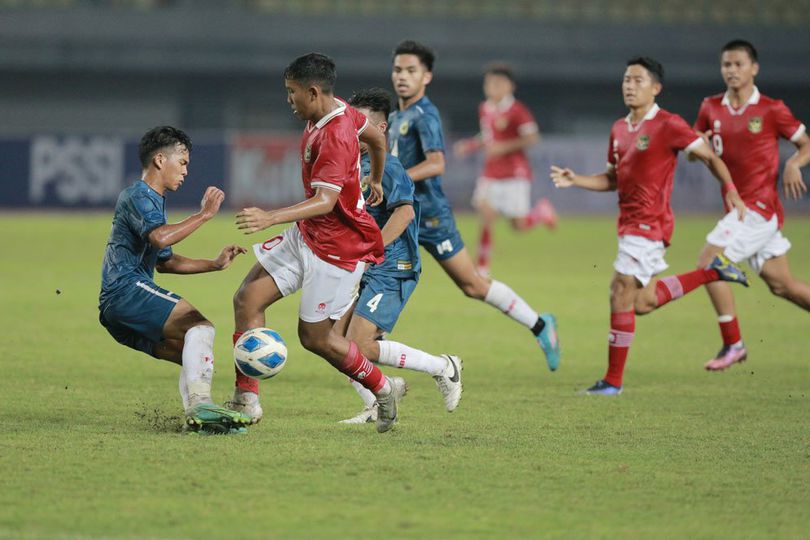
(644, 157)
(747, 140)
(330, 159)
(504, 121)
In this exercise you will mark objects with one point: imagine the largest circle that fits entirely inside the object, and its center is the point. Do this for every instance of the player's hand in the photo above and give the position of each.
(733, 200)
(562, 178)
(211, 201)
(794, 185)
(227, 255)
(251, 220)
(375, 195)
(465, 147)
(493, 149)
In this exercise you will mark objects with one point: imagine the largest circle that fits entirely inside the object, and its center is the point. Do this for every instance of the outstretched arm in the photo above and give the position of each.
(565, 178)
(177, 264)
(720, 171)
(170, 234)
(508, 146)
(397, 223)
(795, 187)
(252, 220)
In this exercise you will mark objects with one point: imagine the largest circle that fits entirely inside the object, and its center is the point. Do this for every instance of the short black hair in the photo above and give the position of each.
(499, 68)
(741, 45)
(653, 67)
(160, 137)
(425, 53)
(313, 68)
(373, 99)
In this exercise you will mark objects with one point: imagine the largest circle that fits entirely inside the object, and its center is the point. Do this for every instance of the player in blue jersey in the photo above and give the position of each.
(140, 314)
(386, 287)
(415, 137)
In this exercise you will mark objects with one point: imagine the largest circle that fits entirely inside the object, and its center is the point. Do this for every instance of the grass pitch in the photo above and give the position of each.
(89, 447)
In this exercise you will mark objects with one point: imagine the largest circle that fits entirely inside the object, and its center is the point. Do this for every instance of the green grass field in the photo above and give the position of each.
(89, 447)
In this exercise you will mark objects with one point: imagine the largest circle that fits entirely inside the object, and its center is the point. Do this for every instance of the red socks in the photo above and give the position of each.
(673, 287)
(730, 330)
(358, 368)
(622, 331)
(484, 247)
(243, 382)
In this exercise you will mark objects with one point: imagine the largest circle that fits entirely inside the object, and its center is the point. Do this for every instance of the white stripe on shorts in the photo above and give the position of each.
(147, 288)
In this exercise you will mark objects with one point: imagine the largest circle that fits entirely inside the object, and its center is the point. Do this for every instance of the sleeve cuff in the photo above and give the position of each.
(798, 134)
(693, 145)
(326, 185)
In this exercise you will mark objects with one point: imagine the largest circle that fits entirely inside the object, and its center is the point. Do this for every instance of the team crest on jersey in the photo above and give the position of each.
(307, 153)
(643, 142)
(755, 124)
(403, 128)
(501, 122)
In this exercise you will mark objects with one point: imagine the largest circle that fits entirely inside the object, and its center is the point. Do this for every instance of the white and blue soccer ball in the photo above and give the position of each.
(260, 353)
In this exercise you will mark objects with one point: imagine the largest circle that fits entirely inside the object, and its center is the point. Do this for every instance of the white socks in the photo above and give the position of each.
(505, 299)
(366, 395)
(183, 388)
(401, 356)
(198, 364)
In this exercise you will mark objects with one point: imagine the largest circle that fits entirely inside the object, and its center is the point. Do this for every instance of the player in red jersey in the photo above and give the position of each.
(325, 252)
(508, 129)
(642, 155)
(744, 127)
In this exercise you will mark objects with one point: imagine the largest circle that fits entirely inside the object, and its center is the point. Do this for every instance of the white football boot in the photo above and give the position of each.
(387, 404)
(246, 403)
(449, 382)
(367, 415)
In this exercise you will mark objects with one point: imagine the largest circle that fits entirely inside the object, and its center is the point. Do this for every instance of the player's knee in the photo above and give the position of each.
(779, 287)
(644, 306)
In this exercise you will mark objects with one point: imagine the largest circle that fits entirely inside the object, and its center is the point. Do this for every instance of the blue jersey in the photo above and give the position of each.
(412, 133)
(401, 255)
(129, 255)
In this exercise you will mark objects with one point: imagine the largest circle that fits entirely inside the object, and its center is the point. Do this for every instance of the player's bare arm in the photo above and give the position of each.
(433, 165)
(705, 154)
(178, 264)
(170, 234)
(397, 223)
(467, 146)
(501, 148)
(792, 180)
(251, 220)
(565, 178)
(375, 140)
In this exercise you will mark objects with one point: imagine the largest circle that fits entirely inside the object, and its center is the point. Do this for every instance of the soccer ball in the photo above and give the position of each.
(260, 353)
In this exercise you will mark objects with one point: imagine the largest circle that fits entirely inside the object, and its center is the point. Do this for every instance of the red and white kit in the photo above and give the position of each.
(747, 140)
(644, 157)
(505, 183)
(325, 256)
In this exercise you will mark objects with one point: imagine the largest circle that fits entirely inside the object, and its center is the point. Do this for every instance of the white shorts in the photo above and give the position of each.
(327, 291)
(640, 257)
(754, 239)
(510, 198)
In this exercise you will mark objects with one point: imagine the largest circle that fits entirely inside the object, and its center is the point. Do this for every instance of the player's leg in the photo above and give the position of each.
(382, 299)
(482, 201)
(722, 298)
(255, 294)
(623, 292)
(776, 273)
(514, 201)
(499, 295)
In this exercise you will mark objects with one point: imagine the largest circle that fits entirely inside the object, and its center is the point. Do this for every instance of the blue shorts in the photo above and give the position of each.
(135, 316)
(440, 236)
(383, 297)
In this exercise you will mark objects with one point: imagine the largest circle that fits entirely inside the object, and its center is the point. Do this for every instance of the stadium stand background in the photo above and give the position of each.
(77, 73)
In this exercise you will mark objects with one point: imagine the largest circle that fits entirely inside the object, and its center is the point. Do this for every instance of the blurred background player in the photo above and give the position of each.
(325, 252)
(642, 154)
(507, 130)
(386, 287)
(744, 127)
(136, 311)
(416, 138)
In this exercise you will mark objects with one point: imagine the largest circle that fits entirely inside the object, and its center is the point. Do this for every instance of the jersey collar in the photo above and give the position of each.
(341, 108)
(753, 100)
(649, 116)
